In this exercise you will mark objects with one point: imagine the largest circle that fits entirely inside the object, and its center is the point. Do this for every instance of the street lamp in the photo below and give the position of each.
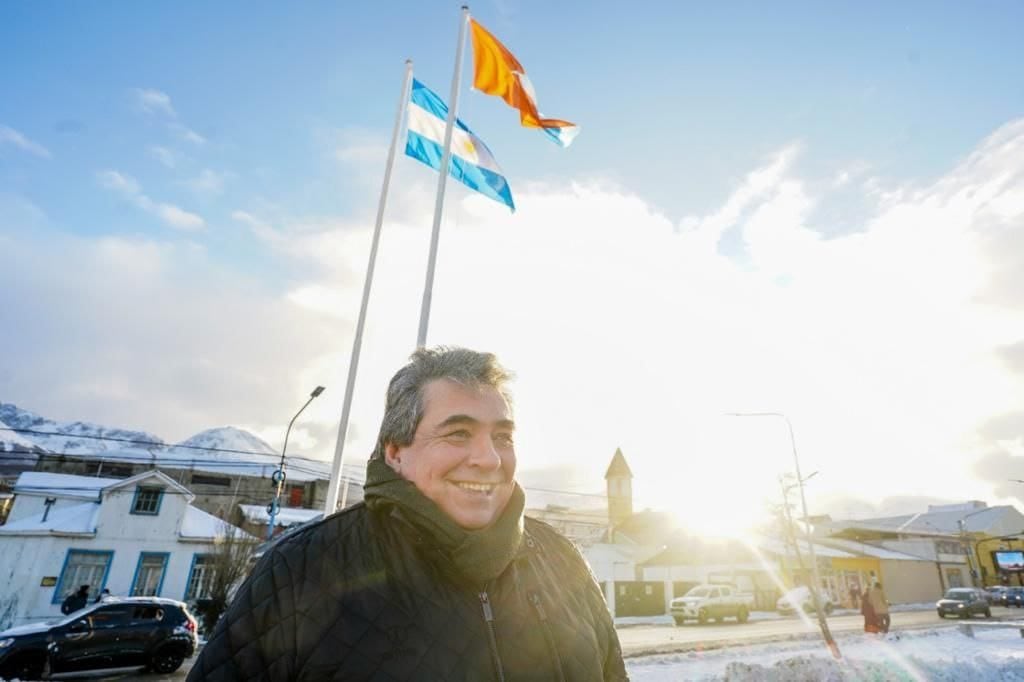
(279, 475)
(822, 622)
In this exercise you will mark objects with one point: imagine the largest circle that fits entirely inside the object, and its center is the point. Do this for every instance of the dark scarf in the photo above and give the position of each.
(478, 555)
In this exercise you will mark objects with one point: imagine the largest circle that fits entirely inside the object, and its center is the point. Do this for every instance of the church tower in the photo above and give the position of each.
(620, 489)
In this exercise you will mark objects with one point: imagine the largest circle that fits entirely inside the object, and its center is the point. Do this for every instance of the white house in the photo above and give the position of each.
(134, 536)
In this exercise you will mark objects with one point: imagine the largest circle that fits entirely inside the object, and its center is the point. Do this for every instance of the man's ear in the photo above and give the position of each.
(392, 457)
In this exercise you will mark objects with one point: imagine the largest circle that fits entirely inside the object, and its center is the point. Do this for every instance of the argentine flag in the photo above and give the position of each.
(471, 161)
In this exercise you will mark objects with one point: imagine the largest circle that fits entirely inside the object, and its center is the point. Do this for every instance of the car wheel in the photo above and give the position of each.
(678, 620)
(988, 613)
(742, 615)
(942, 615)
(26, 667)
(166, 662)
(702, 616)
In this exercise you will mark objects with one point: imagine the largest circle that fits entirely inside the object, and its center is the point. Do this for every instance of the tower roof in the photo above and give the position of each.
(618, 468)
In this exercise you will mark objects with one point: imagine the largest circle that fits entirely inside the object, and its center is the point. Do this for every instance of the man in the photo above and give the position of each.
(437, 576)
(880, 605)
(75, 601)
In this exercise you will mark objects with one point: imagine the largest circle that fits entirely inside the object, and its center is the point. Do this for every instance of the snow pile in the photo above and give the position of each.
(938, 654)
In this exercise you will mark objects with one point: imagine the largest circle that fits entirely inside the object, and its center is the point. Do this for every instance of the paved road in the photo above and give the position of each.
(650, 639)
(639, 640)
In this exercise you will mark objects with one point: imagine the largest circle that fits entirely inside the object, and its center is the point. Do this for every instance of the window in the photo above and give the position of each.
(954, 578)
(82, 567)
(143, 614)
(295, 495)
(200, 578)
(147, 500)
(204, 479)
(149, 574)
(726, 592)
(109, 617)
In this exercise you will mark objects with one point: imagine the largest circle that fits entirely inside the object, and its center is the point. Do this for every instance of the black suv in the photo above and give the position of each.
(115, 635)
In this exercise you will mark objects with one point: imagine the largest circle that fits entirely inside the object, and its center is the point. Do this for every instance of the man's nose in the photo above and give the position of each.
(483, 454)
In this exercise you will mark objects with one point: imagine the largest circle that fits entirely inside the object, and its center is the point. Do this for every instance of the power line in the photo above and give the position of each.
(302, 466)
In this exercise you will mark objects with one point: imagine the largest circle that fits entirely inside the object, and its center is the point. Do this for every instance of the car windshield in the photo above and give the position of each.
(698, 592)
(959, 595)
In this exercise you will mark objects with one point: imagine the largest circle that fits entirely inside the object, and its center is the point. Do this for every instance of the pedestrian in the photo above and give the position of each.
(103, 595)
(866, 610)
(437, 575)
(75, 601)
(880, 605)
(854, 596)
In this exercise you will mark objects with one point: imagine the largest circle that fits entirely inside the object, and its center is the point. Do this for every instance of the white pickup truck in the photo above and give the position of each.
(712, 602)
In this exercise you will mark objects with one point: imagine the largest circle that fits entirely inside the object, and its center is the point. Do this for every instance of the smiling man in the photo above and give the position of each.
(438, 575)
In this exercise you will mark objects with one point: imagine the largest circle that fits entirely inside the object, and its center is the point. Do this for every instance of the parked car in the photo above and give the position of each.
(1014, 597)
(115, 635)
(963, 602)
(711, 602)
(799, 599)
(996, 594)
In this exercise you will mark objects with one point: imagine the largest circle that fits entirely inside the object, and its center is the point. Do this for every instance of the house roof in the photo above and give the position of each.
(198, 525)
(61, 485)
(286, 516)
(780, 548)
(865, 549)
(618, 466)
(86, 487)
(991, 520)
(152, 473)
(79, 519)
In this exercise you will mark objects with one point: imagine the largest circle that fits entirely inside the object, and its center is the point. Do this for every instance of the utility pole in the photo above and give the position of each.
(826, 633)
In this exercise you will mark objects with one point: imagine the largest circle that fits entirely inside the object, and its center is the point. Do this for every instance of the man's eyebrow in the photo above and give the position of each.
(466, 419)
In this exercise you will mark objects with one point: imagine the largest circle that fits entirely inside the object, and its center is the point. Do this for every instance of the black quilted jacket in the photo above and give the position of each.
(361, 597)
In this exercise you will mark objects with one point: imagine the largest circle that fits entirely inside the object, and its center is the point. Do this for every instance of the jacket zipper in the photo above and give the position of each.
(542, 614)
(485, 602)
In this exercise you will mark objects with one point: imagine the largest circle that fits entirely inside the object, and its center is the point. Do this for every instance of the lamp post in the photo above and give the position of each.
(279, 475)
(826, 633)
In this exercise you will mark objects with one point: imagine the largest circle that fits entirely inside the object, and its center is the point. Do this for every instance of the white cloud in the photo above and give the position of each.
(13, 137)
(880, 344)
(189, 135)
(129, 188)
(208, 182)
(164, 155)
(154, 101)
(177, 217)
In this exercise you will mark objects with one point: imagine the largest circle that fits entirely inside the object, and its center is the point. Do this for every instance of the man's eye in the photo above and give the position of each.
(504, 439)
(461, 434)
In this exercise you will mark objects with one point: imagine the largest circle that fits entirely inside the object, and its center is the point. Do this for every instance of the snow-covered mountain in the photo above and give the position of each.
(71, 438)
(228, 438)
(24, 435)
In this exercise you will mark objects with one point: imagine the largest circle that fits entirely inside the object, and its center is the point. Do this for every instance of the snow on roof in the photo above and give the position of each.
(198, 525)
(784, 548)
(870, 550)
(61, 485)
(287, 516)
(945, 522)
(80, 518)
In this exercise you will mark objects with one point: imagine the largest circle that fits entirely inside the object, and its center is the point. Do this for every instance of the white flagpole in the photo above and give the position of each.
(453, 105)
(331, 504)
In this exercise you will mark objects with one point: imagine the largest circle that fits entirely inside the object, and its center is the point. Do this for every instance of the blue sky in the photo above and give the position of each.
(180, 180)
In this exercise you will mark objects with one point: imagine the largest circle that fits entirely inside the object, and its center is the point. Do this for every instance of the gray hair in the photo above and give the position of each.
(404, 406)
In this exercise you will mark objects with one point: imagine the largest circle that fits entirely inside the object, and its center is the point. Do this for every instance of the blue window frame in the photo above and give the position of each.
(147, 500)
(200, 577)
(149, 574)
(83, 567)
